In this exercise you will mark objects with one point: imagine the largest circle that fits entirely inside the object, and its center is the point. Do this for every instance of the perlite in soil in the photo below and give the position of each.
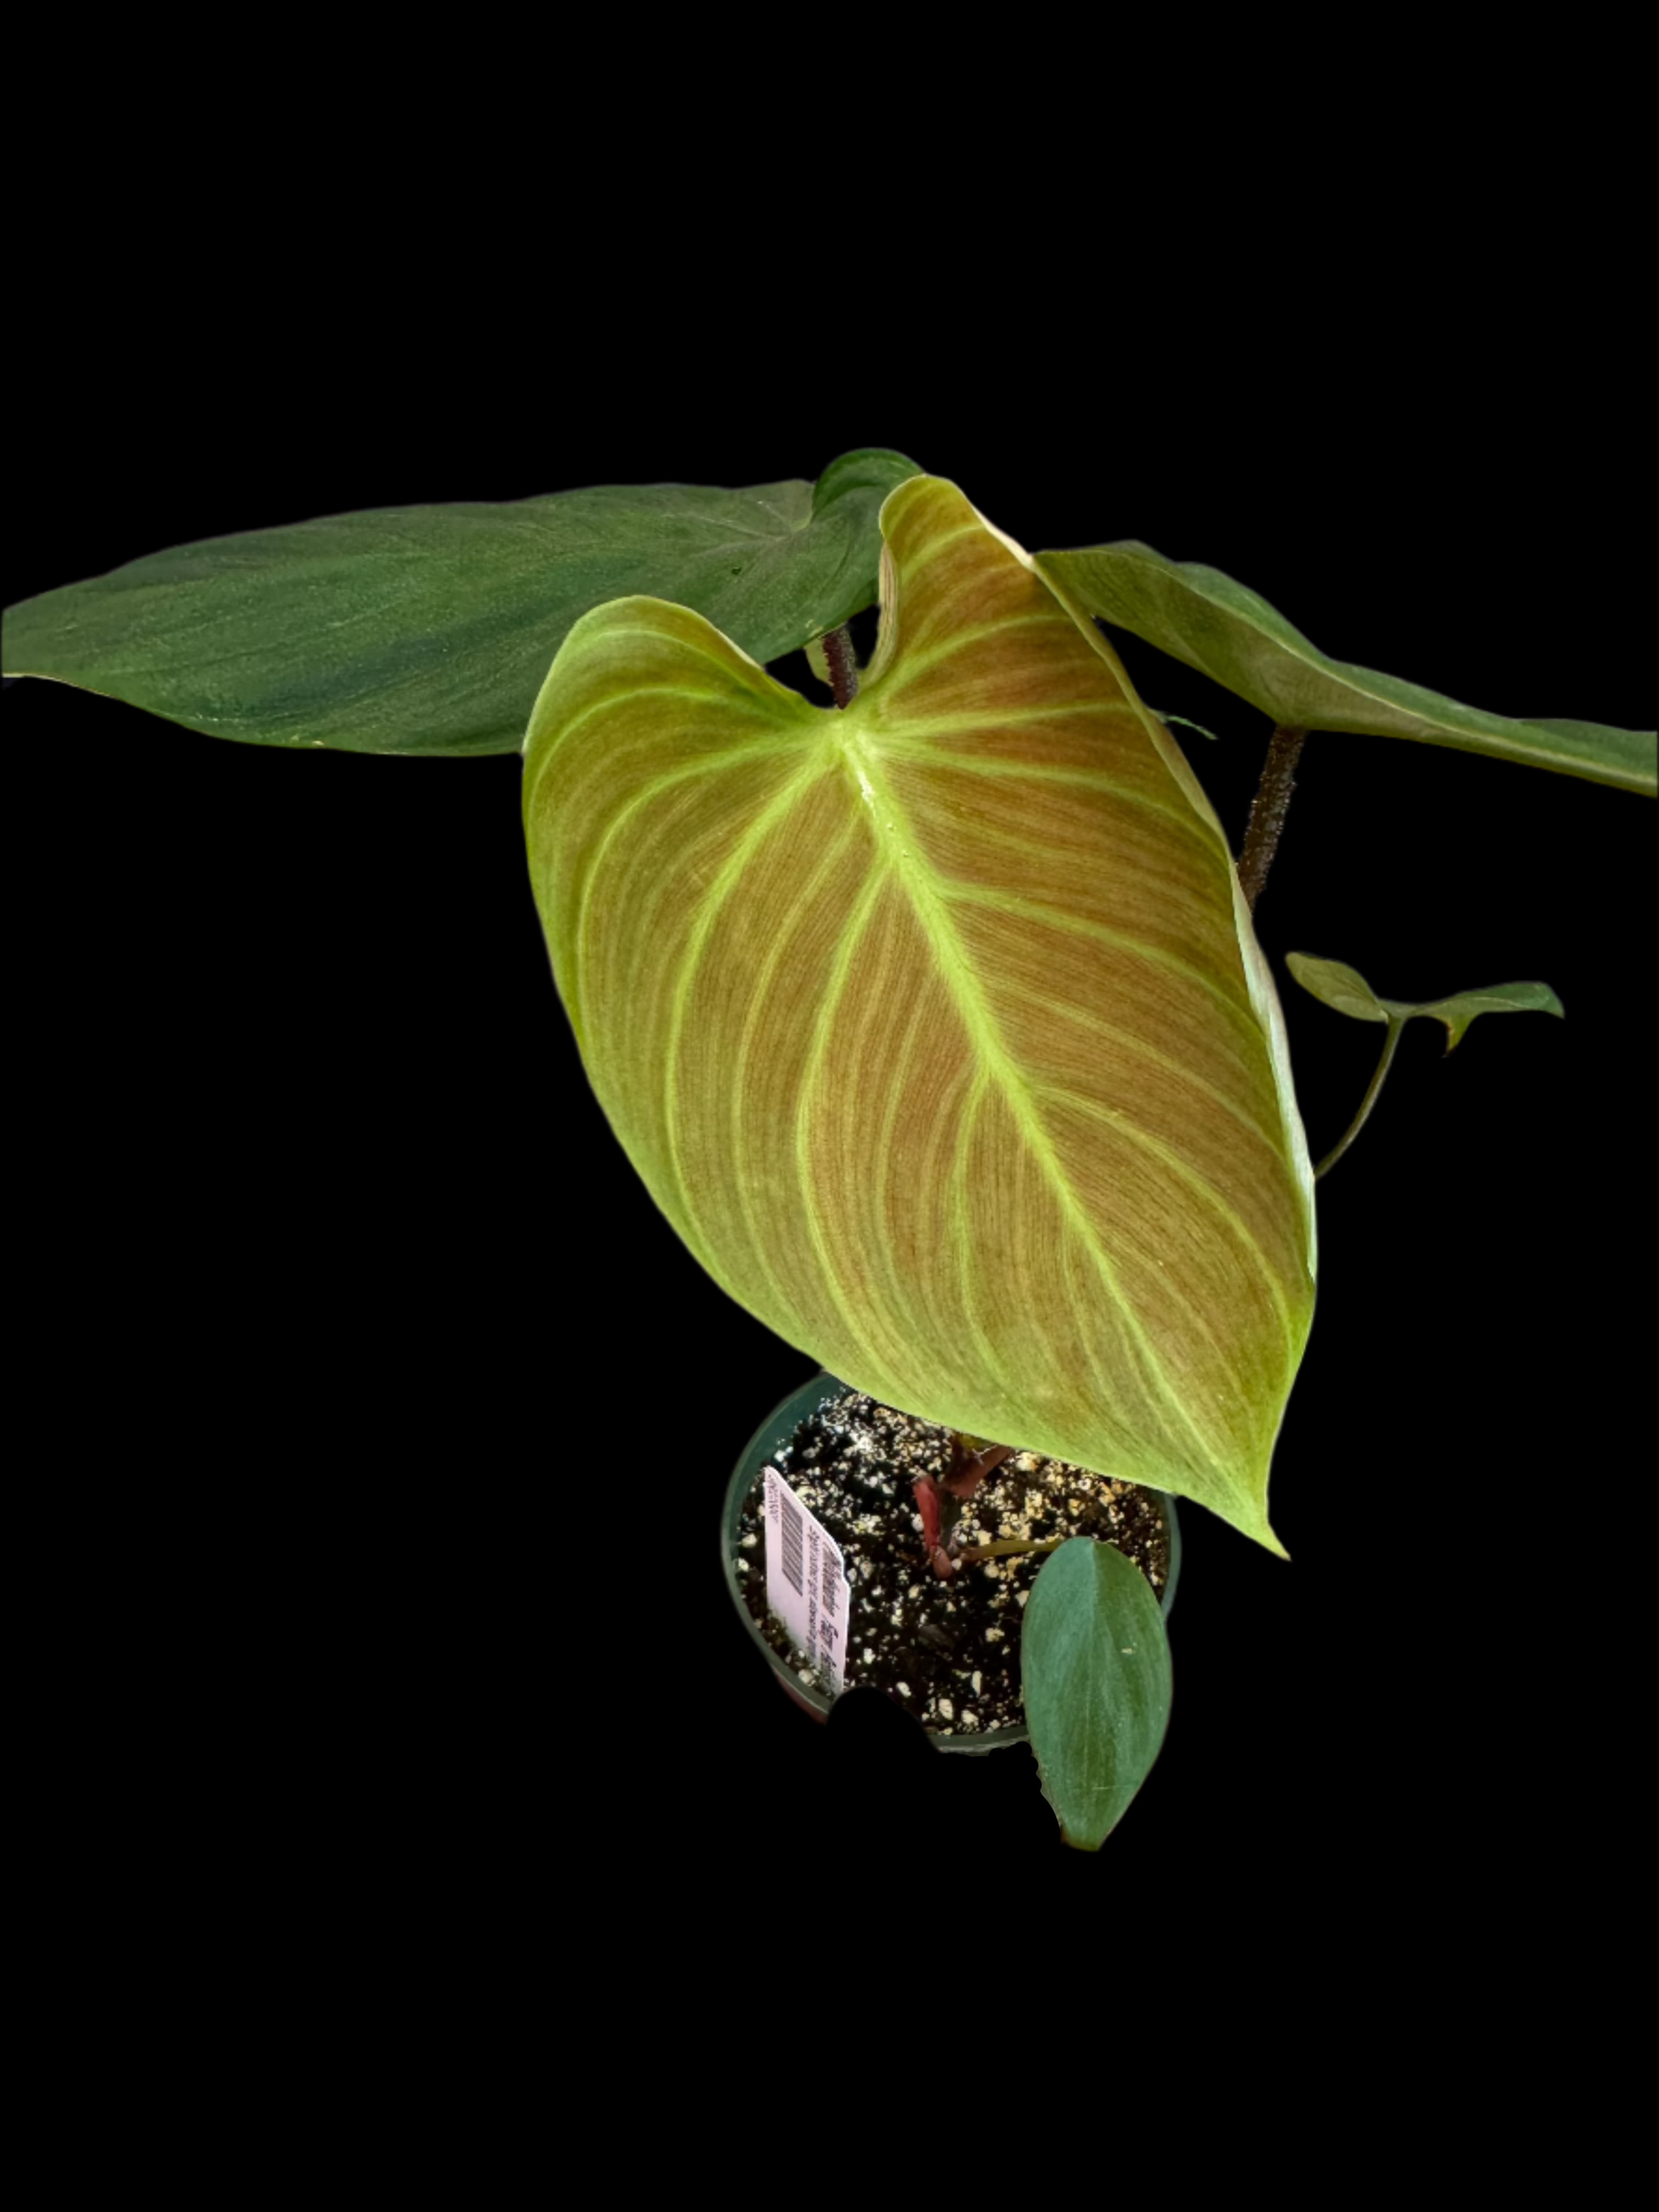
(945, 1649)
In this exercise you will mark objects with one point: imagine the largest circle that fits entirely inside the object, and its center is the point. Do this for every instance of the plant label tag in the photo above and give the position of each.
(806, 1584)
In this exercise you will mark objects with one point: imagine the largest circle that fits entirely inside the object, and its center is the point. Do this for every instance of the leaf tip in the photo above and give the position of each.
(1260, 1530)
(1081, 1842)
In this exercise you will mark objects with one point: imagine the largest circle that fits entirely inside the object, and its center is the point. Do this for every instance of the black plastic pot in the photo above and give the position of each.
(775, 1429)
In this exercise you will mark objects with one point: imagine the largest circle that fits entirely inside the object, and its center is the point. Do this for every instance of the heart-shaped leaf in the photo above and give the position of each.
(936, 1025)
(428, 629)
(1337, 985)
(1231, 635)
(1097, 1681)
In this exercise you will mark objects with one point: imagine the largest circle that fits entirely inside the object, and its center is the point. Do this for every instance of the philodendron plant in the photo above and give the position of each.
(934, 1020)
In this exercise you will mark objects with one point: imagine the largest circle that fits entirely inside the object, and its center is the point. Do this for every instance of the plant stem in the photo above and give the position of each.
(843, 675)
(1365, 1103)
(1004, 1546)
(1267, 811)
(965, 1477)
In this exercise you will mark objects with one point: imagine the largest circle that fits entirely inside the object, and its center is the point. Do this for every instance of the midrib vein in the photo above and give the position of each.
(896, 842)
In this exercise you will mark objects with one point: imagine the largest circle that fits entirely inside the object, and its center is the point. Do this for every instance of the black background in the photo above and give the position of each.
(390, 1423)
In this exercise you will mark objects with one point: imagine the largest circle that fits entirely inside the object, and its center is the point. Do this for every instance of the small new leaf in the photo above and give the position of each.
(1095, 1666)
(1336, 984)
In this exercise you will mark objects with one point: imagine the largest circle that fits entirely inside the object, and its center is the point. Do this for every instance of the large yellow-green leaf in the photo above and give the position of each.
(936, 1025)
(1231, 634)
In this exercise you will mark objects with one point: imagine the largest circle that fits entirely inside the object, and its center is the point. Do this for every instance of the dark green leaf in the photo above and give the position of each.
(429, 629)
(1231, 635)
(1095, 1663)
(1343, 987)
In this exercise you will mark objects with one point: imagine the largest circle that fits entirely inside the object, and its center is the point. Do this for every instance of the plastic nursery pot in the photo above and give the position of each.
(775, 1429)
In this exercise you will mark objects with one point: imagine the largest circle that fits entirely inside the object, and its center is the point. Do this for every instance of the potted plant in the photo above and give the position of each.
(1075, 1217)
